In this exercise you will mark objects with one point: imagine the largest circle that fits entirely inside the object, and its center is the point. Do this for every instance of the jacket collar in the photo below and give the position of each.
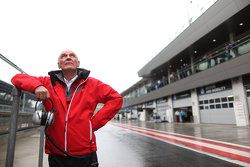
(58, 75)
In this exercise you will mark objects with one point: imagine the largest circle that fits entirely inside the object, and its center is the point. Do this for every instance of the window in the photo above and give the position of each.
(224, 99)
(224, 105)
(201, 107)
(201, 102)
(217, 100)
(206, 107)
(231, 105)
(205, 101)
(212, 107)
(218, 105)
(231, 98)
(211, 101)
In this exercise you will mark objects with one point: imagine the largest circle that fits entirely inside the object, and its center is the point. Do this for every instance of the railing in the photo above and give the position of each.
(27, 102)
(13, 126)
(224, 54)
(13, 129)
(5, 108)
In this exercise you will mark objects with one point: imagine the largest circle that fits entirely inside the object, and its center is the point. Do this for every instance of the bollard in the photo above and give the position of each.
(13, 127)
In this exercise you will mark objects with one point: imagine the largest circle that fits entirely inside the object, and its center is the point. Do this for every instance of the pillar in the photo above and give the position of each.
(195, 106)
(240, 102)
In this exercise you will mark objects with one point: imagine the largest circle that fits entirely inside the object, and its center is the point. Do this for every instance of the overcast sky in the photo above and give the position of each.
(113, 39)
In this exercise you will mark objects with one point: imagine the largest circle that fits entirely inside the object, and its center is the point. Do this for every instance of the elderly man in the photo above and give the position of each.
(74, 95)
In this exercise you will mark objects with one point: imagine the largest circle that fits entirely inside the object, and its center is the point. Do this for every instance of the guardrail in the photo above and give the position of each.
(13, 129)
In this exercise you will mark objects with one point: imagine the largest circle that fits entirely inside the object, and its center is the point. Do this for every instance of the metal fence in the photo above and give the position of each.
(16, 93)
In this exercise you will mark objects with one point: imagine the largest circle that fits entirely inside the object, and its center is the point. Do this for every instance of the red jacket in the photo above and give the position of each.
(75, 122)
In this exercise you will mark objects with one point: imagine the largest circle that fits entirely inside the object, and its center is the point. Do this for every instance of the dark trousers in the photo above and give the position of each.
(88, 160)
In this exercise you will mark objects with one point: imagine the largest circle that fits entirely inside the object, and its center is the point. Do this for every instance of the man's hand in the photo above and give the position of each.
(41, 93)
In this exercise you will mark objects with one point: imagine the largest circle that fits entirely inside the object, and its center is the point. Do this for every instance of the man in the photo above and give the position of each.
(74, 95)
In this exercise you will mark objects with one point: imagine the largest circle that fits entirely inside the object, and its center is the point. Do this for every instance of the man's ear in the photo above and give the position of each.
(78, 63)
(58, 64)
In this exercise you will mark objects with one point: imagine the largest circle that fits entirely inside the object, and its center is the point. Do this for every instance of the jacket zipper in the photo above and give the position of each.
(90, 136)
(90, 131)
(67, 115)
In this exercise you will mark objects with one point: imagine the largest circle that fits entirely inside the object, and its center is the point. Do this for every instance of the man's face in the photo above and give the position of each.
(68, 60)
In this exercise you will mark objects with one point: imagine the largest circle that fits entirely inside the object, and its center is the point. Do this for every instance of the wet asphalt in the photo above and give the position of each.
(119, 147)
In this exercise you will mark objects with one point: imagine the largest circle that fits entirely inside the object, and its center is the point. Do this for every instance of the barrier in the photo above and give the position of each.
(13, 129)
